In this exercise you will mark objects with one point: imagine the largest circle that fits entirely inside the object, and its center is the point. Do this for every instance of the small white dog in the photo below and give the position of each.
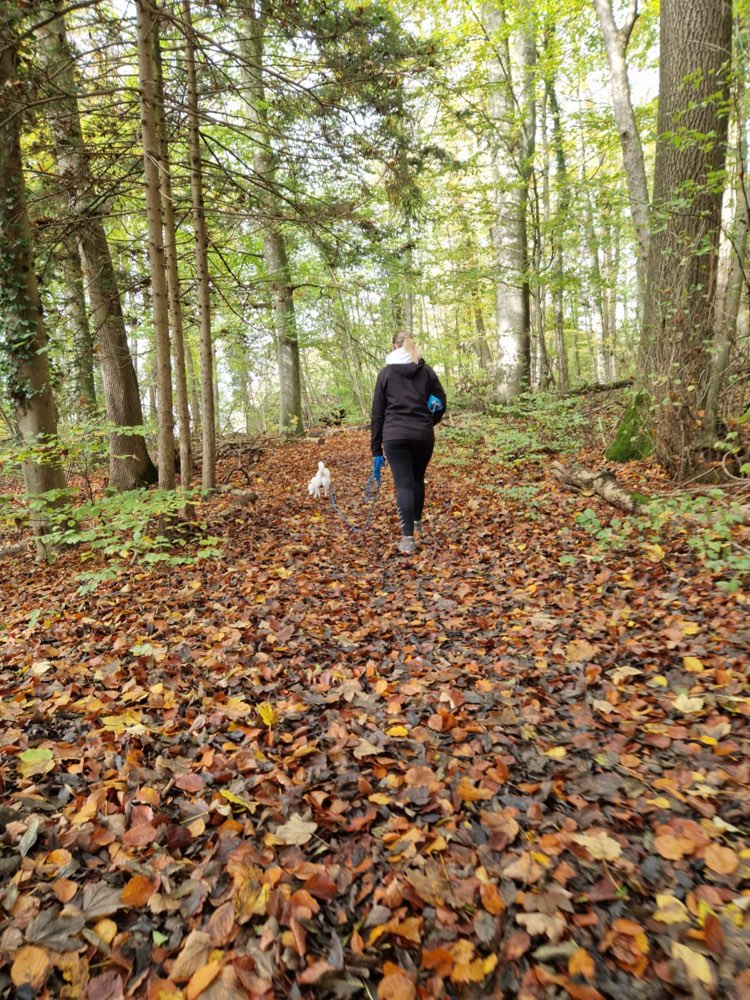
(320, 484)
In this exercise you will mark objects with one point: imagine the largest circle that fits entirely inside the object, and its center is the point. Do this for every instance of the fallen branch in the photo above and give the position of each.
(603, 483)
(583, 390)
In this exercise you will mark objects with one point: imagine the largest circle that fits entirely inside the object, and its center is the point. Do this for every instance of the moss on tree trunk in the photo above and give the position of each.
(633, 438)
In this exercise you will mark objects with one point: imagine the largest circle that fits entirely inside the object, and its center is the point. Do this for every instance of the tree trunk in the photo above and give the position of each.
(157, 261)
(616, 44)
(23, 340)
(173, 276)
(274, 242)
(728, 309)
(83, 341)
(483, 348)
(129, 462)
(202, 279)
(558, 233)
(688, 183)
(195, 390)
(511, 108)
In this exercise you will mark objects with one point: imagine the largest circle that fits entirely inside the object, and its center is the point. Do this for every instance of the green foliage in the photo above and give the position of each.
(704, 524)
(141, 527)
(536, 424)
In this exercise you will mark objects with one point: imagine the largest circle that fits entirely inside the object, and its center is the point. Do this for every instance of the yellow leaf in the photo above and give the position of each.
(659, 680)
(692, 664)
(469, 793)
(202, 979)
(251, 900)
(660, 802)
(268, 714)
(556, 753)
(581, 963)
(685, 704)
(438, 844)
(655, 553)
(236, 800)
(696, 964)
(30, 965)
(398, 731)
(600, 845)
(380, 799)
(670, 910)
(106, 930)
(689, 628)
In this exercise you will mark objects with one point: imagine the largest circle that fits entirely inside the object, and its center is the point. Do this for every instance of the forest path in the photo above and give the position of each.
(477, 772)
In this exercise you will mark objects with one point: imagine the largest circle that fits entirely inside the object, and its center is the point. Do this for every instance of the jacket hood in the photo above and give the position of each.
(401, 362)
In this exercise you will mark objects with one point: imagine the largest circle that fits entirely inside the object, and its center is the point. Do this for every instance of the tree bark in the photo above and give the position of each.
(174, 289)
(688, 186)
(23, 339)
(558, 233)
(511, 108)
(202, 279)
(83, 341)
(129, 462)
(274, 242)
(157, 262)
(616, 43)
(603, 483)
(728, 309)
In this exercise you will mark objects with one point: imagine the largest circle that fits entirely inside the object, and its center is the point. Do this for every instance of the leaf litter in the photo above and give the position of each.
(311, 768)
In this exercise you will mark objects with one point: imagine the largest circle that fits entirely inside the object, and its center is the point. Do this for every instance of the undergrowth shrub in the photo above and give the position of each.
(114, 530)
(710, 529)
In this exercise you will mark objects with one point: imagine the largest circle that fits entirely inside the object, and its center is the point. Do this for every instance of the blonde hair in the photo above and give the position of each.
(403, 339)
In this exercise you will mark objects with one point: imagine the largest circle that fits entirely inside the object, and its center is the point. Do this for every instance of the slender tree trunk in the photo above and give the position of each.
(695, 39)
(83, 341)
(23, 340)
(511, 107)
(728, 309)
(202, 279)
(558, 235)
(274, 242)
(157, 261)
(129, 462)
(616, 44)
(195, 390)
(174, 288)
(483, 347)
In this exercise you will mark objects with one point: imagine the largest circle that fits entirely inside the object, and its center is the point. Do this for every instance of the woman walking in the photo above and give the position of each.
(409, 400)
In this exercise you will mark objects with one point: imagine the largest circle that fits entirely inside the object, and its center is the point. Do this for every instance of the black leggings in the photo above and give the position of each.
(408, 461)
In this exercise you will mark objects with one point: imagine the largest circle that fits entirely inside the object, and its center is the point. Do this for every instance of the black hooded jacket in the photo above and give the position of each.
(399, 406)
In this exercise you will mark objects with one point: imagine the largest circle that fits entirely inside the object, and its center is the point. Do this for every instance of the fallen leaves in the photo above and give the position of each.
(295, 831)
(721, 860)
(434, 779)
(30, 966)
(599, 845)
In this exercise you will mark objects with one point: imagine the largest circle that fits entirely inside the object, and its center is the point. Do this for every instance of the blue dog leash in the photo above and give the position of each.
(372, 489)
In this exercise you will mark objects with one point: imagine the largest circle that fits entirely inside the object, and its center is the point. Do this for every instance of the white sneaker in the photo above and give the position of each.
(406, 545)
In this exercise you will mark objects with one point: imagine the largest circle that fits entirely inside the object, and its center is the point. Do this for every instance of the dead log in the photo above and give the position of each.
(590, 387)
(602, 482)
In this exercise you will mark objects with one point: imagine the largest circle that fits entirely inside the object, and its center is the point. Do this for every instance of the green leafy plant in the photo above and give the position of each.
(705, 524)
